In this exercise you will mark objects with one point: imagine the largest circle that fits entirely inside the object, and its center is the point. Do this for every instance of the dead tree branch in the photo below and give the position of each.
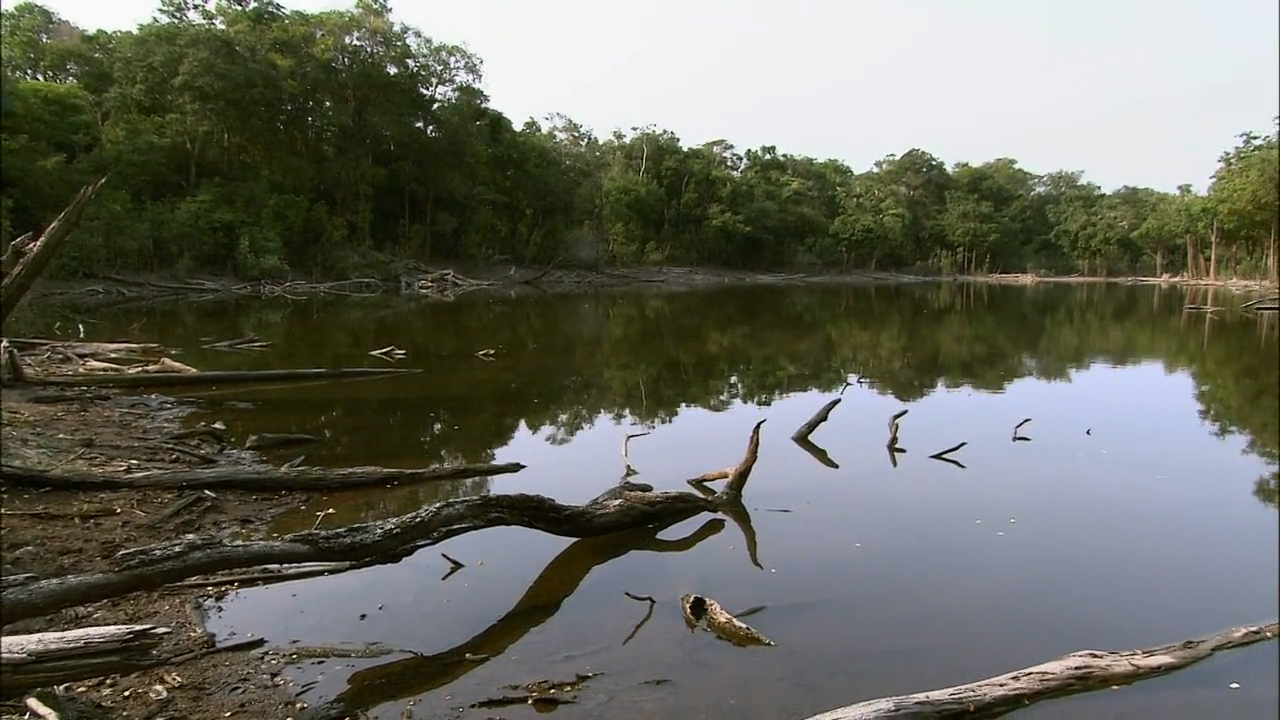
(1076, 673)
(628, 469)
(253, 479)
(35, 257)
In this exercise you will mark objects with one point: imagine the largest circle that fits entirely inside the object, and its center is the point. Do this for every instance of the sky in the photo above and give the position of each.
(1132, 92)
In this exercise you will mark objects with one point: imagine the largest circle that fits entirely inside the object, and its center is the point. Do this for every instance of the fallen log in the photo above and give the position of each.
(623, 507)
(31, 260)
(53, 658)
(1076, 673)
(256, 479)
(208, 377)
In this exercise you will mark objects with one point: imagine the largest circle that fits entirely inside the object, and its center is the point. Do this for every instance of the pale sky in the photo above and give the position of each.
(1140, 92)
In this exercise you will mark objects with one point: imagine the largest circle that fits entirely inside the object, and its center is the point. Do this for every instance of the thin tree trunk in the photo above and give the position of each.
(1213, 252)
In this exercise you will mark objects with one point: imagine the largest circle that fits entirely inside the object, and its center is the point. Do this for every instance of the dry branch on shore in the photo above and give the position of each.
(252, 479)
(52, 658)
(1078, 672)
(625, 506)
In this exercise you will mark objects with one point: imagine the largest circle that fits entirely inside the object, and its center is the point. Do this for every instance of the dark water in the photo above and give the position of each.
(1142, 510)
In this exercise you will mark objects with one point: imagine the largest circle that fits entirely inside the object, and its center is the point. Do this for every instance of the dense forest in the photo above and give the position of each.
(243, 138)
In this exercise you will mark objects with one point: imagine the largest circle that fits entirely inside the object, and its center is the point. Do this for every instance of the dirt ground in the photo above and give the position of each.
(51, 533)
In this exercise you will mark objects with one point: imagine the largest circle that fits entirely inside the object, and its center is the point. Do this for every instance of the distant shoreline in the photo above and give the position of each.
(448, 282)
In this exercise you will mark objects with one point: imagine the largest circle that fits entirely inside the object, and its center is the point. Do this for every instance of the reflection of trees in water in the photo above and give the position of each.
(561, 362)
(365, 504)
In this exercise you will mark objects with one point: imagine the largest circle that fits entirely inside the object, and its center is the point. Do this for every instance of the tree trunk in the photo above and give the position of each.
(1213, 252)
(16, 283)
(1191, 258)
(1271, 256)
(1160, 262)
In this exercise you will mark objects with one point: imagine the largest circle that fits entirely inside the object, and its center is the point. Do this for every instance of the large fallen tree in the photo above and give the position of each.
(624, 507)
(1076, 673)
(256, 479)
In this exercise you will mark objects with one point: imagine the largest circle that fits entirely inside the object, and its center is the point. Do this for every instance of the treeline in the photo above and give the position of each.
(246, 139)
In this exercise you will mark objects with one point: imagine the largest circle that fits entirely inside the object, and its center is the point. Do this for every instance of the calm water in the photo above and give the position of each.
(1142, 510)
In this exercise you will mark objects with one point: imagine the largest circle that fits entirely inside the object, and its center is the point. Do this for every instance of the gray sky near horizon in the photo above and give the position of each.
(1137, 92)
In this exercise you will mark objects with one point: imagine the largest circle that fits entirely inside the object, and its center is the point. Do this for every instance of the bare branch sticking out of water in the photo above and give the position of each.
(628, 469)
(390, 353)
(1017, 437)
(454, 566)
(648, 614)
(703, 612)
(1079, 672)
(892, 445)
(805, 430)
(942, 454)
(801, 435)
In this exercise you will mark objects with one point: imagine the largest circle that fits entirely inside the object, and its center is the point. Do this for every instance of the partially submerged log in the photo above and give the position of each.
(256, 479)
(31, 259)
(53, 658)
(623, 507)
(209, 377)
(703, 612)
(1078, 672)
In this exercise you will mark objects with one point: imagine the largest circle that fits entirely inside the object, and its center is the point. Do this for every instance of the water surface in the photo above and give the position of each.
(1142, 509)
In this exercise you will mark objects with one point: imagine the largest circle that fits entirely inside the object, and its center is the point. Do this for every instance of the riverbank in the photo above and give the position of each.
(51, 533)
(448, 283)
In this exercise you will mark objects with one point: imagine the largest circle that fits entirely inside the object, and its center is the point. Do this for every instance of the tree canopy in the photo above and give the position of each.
(247, 139)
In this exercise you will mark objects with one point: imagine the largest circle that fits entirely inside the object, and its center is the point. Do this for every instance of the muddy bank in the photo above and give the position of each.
(51, 533)
(445, 283)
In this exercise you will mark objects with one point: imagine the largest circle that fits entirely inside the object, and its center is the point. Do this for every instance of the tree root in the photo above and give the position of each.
(1078, 672)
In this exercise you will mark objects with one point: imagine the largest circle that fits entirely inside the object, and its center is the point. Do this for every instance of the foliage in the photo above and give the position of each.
(247, 139)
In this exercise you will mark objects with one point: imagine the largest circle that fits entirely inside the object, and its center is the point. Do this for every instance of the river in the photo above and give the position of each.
(1139, 509)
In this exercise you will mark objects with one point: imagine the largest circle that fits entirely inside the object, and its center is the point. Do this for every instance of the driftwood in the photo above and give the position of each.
(706, 613)
(420, 674)
(1076, 673)
(210, 377)
(52, 658)
(625, 506)
(256, 479)
(35, 257)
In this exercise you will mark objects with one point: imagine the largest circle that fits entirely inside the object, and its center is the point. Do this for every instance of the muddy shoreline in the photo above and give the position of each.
(51, 533)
